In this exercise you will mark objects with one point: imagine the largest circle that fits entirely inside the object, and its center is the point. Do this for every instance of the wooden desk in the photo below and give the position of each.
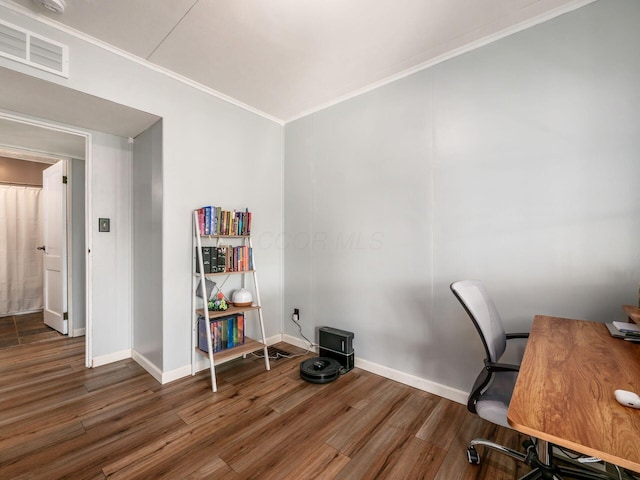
(632, 312)
(564, 392)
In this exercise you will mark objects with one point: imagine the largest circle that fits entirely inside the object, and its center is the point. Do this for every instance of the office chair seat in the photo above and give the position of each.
(494, 402)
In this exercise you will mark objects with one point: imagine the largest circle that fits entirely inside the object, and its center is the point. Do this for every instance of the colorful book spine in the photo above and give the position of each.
(234, 223)
(226, 332)
(216, 221)
(218, 336)
(201, 221)
(230, 333)
(207, 220)
(240, 318)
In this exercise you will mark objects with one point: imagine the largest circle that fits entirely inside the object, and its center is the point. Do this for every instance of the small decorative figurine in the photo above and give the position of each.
(219, 304)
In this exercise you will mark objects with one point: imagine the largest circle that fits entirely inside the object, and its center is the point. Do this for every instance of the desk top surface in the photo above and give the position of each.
(564, 392)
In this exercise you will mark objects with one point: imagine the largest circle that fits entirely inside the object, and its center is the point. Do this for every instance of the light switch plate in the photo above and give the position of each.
(104, 224)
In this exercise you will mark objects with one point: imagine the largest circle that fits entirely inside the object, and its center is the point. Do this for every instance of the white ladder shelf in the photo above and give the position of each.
(250, 345)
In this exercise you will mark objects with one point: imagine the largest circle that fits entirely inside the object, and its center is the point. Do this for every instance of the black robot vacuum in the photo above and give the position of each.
(320, 370)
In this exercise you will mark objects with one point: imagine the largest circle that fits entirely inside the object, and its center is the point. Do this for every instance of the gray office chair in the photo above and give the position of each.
(491, 393)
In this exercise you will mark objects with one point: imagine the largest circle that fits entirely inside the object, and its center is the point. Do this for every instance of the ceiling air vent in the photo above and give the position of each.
(31, 49)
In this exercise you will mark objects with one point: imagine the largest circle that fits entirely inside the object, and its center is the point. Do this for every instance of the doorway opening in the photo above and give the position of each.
(39, 148)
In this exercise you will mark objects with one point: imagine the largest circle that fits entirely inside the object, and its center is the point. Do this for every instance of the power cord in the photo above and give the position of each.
(619, 472)
(572, 455)
(295, 318)
(586, 459)
(276, 356)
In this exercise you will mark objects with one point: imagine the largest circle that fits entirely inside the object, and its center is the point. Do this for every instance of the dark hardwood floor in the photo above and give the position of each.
(61, 420)
(25, 328)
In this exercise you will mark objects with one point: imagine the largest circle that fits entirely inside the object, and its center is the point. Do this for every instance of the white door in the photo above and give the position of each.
(54, 209)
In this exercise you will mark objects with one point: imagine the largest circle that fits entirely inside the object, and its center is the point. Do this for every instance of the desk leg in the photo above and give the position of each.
(544, 452)
(545, 456)
(542, 463)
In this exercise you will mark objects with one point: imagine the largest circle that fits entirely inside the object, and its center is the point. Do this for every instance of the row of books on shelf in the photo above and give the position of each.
(216, 221)
(225, 258)
(226, 332)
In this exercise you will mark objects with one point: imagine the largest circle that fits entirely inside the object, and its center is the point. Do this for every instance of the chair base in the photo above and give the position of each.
(545, 470)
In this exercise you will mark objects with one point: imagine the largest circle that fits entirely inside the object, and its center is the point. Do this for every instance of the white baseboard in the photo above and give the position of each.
(110, 358)
(405, 378)
(149, 366)
(201, 364)
(275, 339)
(172, 375)
(298, 342)
(176, 374)
(423, 384)
(79, 332)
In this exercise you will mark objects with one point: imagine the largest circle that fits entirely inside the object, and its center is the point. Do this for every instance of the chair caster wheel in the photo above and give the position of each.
(472, 456)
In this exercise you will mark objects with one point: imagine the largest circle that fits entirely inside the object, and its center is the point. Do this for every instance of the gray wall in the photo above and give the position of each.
(147, 244)
(110, 179)
(516, 164)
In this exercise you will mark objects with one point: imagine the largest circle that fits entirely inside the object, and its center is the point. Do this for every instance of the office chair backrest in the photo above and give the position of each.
(476, 301)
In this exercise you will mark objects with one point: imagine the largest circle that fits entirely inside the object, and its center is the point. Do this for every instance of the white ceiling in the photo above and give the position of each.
(286, 58)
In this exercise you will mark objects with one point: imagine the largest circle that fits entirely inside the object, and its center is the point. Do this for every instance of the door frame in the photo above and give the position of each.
(87, 231)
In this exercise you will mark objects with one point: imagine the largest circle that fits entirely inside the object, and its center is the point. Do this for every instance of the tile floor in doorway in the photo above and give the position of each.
(25, 328)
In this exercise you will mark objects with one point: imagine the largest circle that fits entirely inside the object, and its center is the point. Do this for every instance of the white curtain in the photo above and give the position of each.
(20, 262)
